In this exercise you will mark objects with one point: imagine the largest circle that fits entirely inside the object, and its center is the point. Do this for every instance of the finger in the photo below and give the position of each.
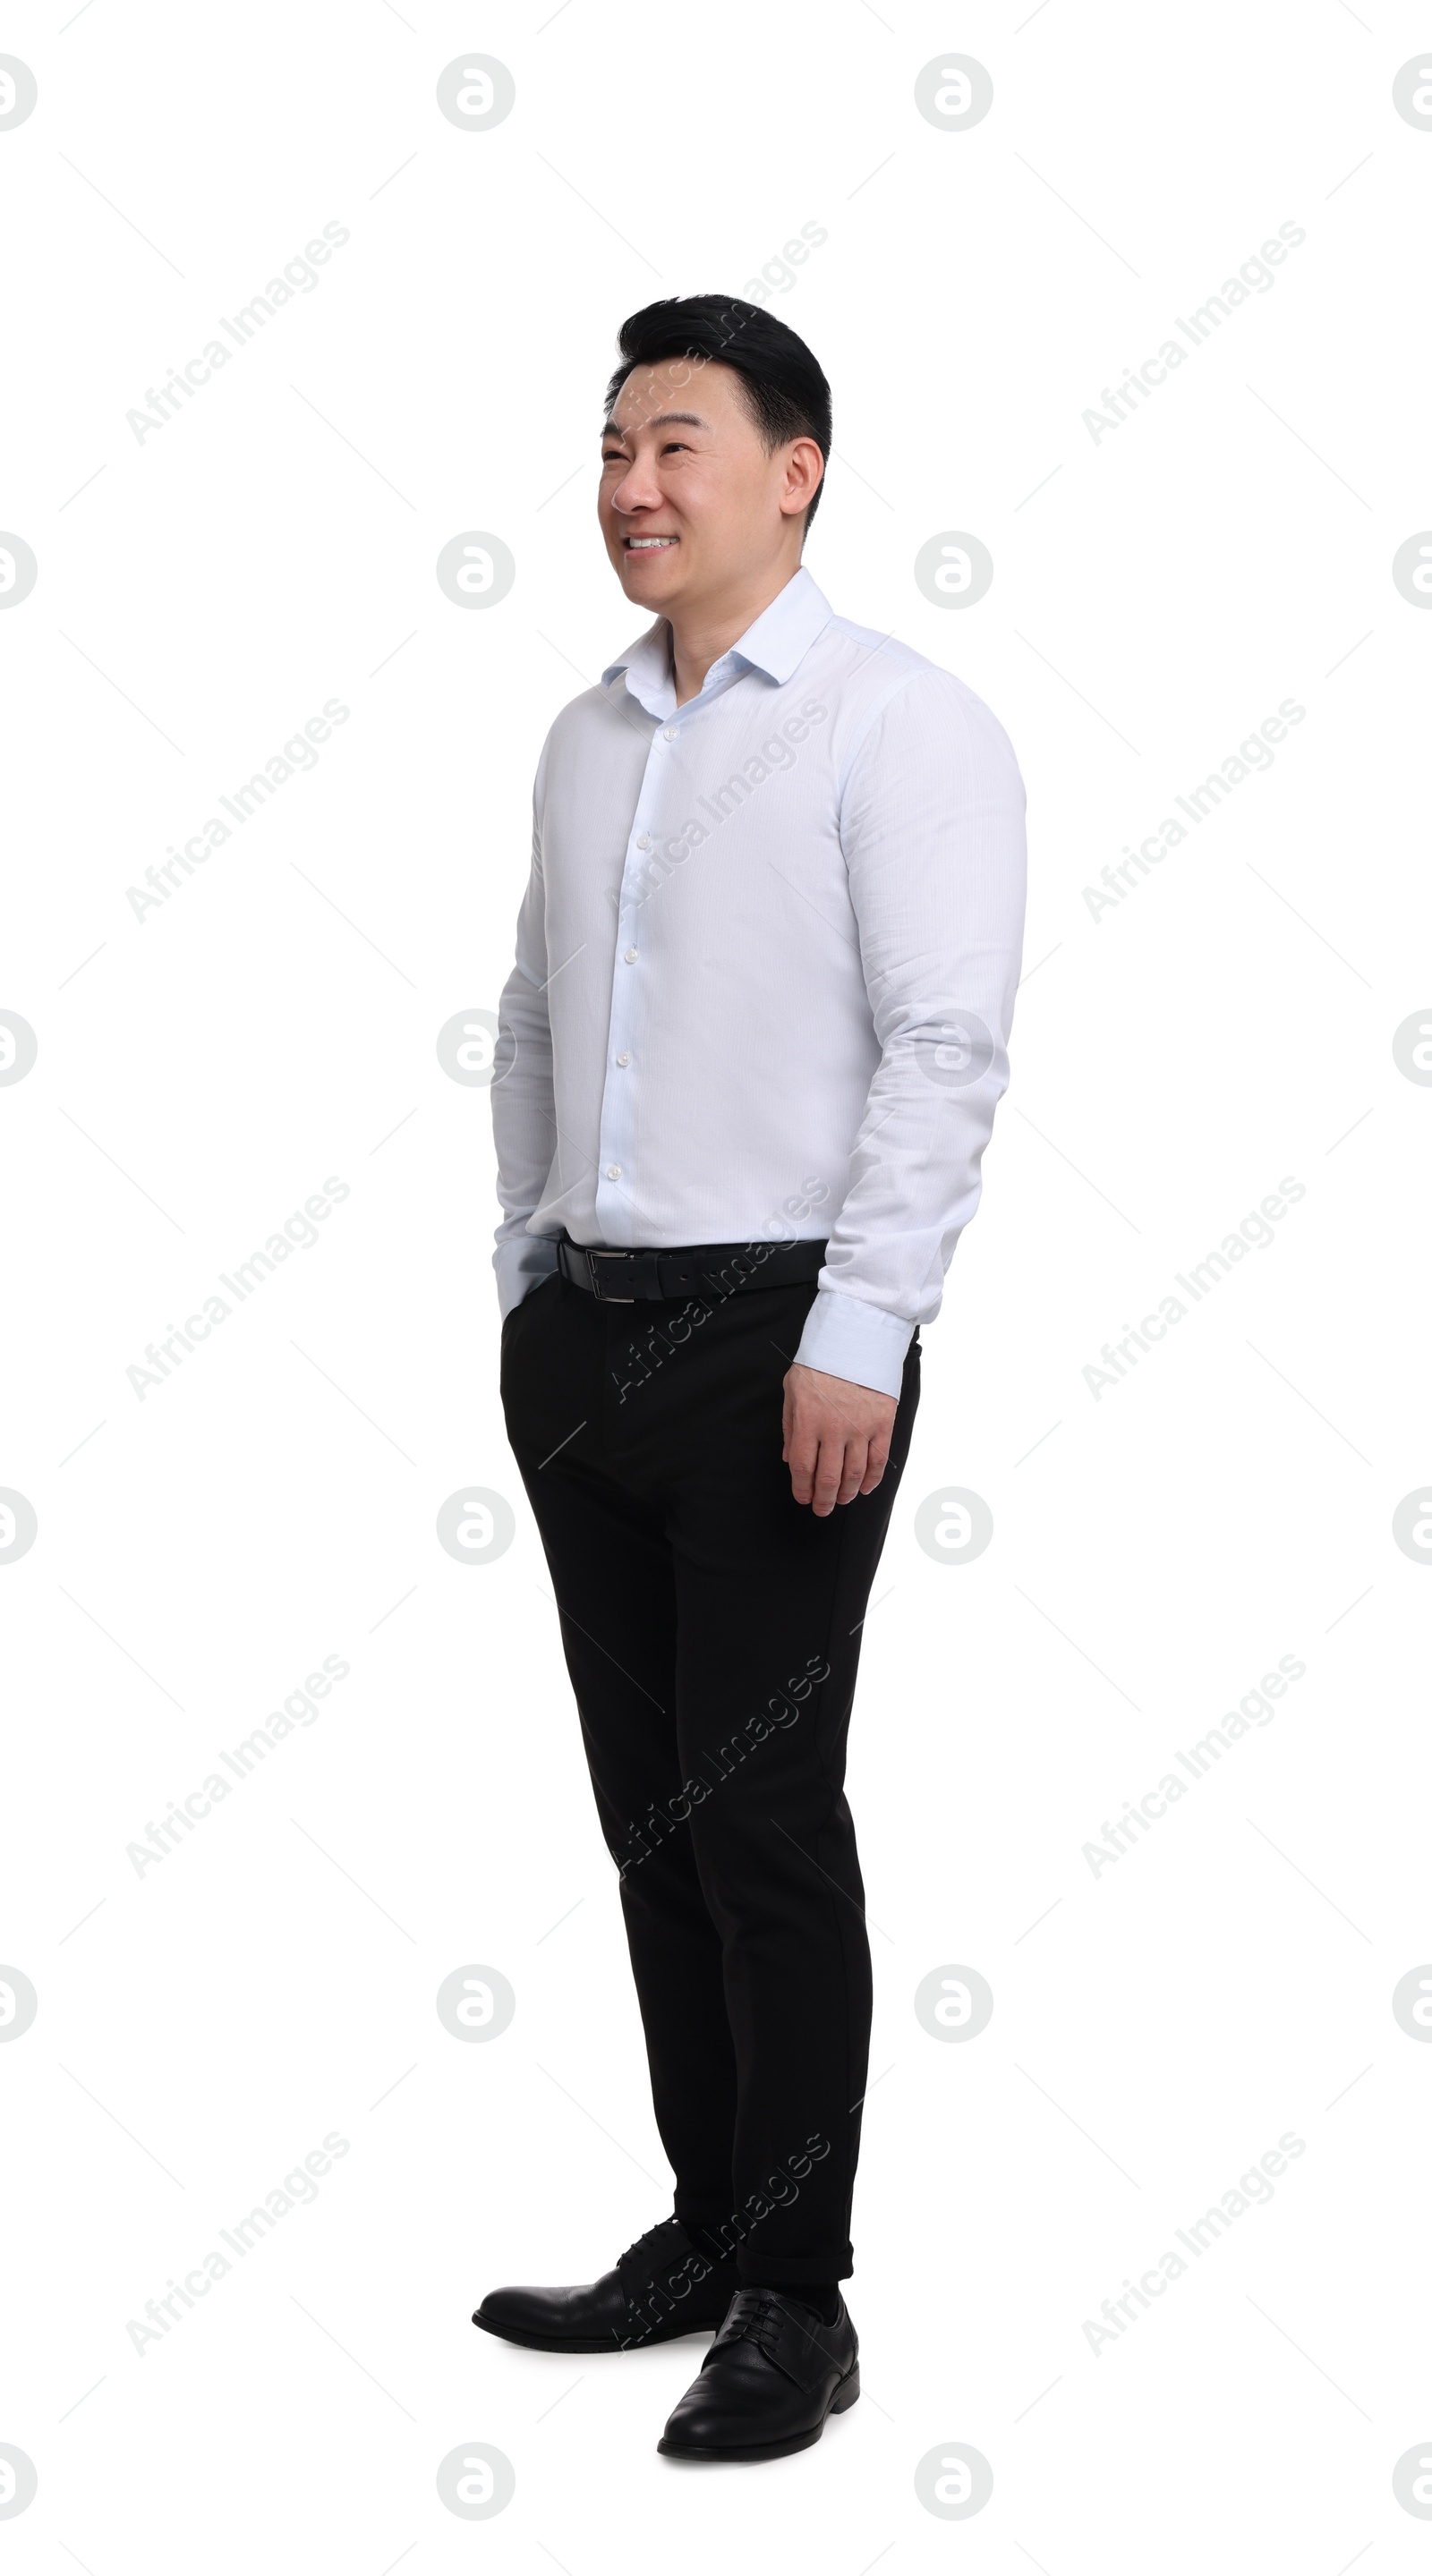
(853, 1473)
(876, 1462)
(830, 1468)
(802, 1451)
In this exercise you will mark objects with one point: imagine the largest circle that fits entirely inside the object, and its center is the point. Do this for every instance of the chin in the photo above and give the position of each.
(649, 585)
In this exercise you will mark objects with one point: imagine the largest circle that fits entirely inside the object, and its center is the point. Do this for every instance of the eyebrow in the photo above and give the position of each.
(662, 420)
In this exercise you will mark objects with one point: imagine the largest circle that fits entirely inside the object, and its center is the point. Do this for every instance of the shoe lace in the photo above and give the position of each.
(646, 2245)
(750, 2316)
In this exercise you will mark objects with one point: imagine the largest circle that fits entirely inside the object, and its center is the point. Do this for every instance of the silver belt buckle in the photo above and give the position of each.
(592, 1259)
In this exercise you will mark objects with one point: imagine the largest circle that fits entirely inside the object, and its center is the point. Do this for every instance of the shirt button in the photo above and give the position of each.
(670, 734)
(625, 1057)
(614, 1171)
(629, 956)
(643, 840)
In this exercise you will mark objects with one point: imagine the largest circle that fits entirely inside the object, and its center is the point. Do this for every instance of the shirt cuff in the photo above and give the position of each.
(520, 1261)
(849, 1338)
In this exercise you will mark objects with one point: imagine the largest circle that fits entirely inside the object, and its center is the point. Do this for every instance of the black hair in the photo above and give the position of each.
(784, 387)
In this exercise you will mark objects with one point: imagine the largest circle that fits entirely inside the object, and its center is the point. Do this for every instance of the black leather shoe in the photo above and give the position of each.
(773, 2374)
(662, 2287)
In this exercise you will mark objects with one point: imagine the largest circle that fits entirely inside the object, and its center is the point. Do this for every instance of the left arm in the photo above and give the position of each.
(932, 826)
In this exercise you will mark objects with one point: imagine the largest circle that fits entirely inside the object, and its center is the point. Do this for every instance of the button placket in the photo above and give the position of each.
(616, 1146)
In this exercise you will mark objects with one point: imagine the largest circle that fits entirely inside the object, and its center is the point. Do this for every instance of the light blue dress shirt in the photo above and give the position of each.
(766, 966)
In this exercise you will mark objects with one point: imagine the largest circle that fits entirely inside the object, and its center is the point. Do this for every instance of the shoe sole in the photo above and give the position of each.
(574, 2344)
(845, 2396)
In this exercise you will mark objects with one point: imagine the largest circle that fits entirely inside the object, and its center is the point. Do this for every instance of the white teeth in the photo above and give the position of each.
(645, 545)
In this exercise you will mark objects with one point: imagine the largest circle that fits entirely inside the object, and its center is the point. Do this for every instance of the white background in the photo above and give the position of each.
(202, 1070)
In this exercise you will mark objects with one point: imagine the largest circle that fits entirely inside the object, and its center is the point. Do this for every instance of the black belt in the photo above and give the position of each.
(703, 1269)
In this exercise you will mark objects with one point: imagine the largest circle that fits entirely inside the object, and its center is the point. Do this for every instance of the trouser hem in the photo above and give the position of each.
(707, 2239)
(708, 2215)
(755, 2266)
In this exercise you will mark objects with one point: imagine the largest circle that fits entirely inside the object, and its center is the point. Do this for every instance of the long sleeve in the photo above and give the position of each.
(523, 1118)
(932, 828)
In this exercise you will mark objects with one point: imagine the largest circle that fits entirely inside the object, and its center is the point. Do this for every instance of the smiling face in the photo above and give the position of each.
(692, 508)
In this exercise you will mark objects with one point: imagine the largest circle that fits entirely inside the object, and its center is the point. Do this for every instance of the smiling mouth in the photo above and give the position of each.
(649, 545)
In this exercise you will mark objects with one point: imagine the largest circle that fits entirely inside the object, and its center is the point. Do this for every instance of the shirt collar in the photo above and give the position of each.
(775, 643)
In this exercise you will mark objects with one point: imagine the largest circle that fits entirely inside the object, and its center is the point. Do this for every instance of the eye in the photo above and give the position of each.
(669, 443)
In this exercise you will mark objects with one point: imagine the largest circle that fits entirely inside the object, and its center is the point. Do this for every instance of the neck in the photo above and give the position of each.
(700, 634)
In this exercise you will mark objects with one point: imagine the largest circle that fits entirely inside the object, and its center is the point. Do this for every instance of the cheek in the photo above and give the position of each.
(721, 496)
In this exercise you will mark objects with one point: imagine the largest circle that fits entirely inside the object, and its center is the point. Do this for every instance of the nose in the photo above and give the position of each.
(637, 490)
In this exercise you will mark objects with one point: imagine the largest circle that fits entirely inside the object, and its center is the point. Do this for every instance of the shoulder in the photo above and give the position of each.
(585, 720)
(893, 700)
(594, 706)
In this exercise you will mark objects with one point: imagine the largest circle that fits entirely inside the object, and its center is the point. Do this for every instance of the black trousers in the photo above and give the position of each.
(712, 1631)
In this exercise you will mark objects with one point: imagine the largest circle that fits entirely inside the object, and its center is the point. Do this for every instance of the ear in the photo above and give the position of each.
(805, 472)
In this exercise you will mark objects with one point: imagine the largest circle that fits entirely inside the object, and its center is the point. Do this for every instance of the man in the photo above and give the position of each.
(748, 1064)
